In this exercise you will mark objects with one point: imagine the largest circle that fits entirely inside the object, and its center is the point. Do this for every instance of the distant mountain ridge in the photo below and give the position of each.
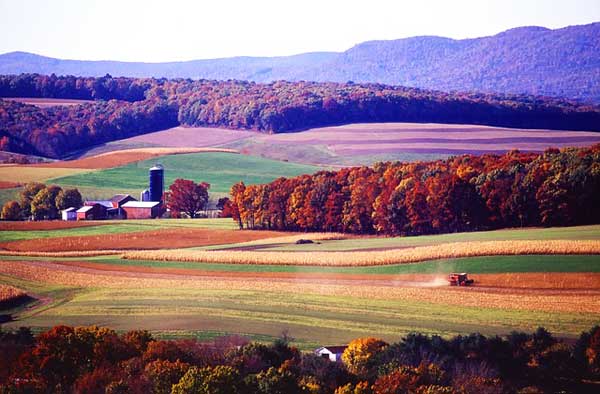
(526, 60)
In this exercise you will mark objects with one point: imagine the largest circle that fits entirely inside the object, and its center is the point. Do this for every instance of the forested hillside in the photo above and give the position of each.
(463, 193)
(528, 60)
(124, 107)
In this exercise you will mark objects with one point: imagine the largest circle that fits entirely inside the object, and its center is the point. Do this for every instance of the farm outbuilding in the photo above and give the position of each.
(118, 200)
(92, 212)
(332, 353)
(142, 209)
(69, 214)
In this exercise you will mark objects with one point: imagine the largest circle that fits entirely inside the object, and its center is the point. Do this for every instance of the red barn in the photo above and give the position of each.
(119, 200)
(142, 209)
(92, 212)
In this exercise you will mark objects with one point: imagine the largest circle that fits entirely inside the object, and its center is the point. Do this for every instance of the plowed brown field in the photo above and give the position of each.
(156, 239)
(579, 301)
(122, 157)
(8, 184)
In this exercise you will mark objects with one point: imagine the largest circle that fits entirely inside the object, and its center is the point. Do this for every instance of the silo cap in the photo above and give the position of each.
(157, 167)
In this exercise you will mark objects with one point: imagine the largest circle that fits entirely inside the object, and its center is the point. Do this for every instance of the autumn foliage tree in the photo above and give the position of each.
(11, 210)
(462, 193)
(187, 197)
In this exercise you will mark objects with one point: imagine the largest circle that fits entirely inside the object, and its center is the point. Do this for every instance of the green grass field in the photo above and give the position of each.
(221, 170)
(312, 319)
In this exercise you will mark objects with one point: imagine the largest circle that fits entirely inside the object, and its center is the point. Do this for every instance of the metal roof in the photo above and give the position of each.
(86, 208)
(140, 204)
(70, 209)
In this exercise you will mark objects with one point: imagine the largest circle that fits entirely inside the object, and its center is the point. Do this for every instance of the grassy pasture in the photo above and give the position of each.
(221, 170)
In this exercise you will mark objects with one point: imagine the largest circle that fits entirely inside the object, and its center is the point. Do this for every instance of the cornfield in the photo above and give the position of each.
(372, 258)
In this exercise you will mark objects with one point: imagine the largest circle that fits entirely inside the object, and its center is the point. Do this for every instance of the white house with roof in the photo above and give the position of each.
(332, 353)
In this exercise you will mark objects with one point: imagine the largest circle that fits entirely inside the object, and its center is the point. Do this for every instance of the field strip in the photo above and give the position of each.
(487, 282)
(540, 300)
(372, 258)
(122, 157)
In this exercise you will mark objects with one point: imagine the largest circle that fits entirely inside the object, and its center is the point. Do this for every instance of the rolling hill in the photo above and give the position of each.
(526, 60)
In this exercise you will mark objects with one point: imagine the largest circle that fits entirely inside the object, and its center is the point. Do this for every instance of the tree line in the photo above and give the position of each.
(41, 202)
(124, 107)
(92, 360)
(462, 193)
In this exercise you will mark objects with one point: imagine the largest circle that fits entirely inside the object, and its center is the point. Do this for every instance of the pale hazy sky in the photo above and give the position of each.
(151, 30)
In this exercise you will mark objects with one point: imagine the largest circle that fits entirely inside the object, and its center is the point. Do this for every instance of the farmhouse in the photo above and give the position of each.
(332, 353)
(92, 212)
(69, 214)
(142, 209)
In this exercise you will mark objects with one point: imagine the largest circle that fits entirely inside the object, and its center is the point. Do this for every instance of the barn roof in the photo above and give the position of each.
(70, 209)
(104, 203)
(86, 208)
(120, 197)
(141, 204)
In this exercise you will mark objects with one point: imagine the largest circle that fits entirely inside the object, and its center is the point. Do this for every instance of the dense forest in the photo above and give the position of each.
(462, 193)
(124, 107)
(527, 60)
(98, 360)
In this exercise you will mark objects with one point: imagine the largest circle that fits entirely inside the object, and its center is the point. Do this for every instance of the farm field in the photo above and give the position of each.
(361, 144)
(219, 169)
(104, 175)
(316, 304)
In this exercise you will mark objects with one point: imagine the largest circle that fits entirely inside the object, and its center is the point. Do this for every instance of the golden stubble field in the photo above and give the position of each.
(374, 258)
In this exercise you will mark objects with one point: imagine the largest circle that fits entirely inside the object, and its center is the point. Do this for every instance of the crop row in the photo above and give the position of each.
(372, 258)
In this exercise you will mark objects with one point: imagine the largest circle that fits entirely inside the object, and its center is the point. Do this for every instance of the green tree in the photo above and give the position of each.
(43, 205)
(11, 211)
(27, 194)
(68, 198)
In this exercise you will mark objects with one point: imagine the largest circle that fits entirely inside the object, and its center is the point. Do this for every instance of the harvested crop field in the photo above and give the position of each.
(374, 258)
(154, 239)
(28, 173)
(361, 143)
(123, 157)
(46, 102)
(484, 282)
(576, 301)
(176, 137)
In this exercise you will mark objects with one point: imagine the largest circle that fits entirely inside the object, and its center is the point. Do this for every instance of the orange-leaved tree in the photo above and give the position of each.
(359, 355)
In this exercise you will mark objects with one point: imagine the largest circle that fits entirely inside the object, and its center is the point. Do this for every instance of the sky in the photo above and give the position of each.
(173, 30)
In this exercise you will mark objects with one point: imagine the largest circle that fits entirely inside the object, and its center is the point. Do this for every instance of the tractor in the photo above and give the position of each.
(459, 279)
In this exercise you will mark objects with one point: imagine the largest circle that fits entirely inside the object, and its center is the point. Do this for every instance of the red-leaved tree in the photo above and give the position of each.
(187, 196)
